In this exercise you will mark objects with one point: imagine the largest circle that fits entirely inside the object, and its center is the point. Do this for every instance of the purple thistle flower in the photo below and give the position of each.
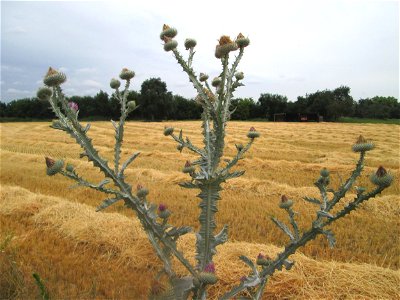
(162, 207)
(243, 278)
(261, 256)
(74, 106)
(209, 268)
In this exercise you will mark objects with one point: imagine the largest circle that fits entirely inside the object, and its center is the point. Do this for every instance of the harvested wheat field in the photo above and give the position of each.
(53, 230)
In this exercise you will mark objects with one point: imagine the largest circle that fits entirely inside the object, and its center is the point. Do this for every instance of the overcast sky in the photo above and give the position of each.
(297, 47)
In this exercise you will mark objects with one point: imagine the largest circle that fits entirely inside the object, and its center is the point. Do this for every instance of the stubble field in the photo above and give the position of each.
(48, 228)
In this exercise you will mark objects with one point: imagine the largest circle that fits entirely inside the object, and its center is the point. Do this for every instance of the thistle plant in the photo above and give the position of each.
(207, 174)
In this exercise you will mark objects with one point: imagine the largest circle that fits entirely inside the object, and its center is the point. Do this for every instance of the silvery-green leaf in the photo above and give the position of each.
(86, 129)
(178, 231)
(252, 280)
(104, 182)
(114, 124)
(106, 203)
(284, 228)
(188, 185)
(249, 262)
(222, 236)
(312, 200)
(324, 214)
(331, 238)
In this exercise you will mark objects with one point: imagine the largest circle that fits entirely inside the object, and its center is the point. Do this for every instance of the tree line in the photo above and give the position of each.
(157, 103)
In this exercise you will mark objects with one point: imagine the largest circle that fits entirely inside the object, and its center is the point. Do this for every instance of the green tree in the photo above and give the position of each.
(156, 103)
(270, 104)
(243, 108)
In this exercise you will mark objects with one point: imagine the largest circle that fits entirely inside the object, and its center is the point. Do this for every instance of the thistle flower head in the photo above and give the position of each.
(216, 81)
(131, 105)
(203, 77)
(115, 83)
(126, 74)
(285, 202)
(242, 41)
(243, 278)
(168, 32)
(162, 207)
(163, 212)
(53, 167)
(168, 131)
(54, 78)
(189, 168)
(190, 43)
(209, 268)
(253, 133)
(169, 44)
(362, 145)
(225, 45)
(73, 106)
(44, 93)
(239, 76)
(261, 255)
(381, 177)
(324, 172)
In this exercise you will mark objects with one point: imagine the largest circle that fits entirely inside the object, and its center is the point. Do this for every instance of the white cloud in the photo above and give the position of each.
(86, 70)
(16, 91)
(91, 83)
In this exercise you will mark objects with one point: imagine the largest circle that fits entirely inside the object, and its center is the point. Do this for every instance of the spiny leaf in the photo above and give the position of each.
(222, 236)
(331, 238)
(106, 203)
(104, 182)
(178, 231)
(188, 185)
(283, 227)
(86, 129)
(288, 264)
(249, 262)
(234, 174)
(127, 162)
(312, 200)
(324, 214)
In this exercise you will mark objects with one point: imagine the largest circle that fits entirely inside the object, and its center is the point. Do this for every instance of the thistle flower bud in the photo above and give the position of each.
(126, 74)
(190, 43)
(381, 177)
(53, 167)
(203, 77)
(216, 81)
(115, 83)
(170, 45)
(73, 106)
(141, 191)
(188, 168)
(362, 145)
(242, 41)
(163, 212)
(44, 93)
(253, 133)
(69, 168)
(239, 75)
(54, 78)
(263, 260)
(285, 202)
(207, 276)
(131, 105)
(168, 131)
(168, 32)
(179, 147)
(225, 46)
(324, 172)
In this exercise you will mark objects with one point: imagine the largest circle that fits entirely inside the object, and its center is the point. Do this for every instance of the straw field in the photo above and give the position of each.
(53, 230)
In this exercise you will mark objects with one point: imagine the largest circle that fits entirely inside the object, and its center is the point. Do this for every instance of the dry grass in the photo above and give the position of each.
(285, 160)
(83, 254)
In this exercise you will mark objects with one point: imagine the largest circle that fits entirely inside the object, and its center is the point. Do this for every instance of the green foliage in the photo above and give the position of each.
(156, 103)
(270, 104)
